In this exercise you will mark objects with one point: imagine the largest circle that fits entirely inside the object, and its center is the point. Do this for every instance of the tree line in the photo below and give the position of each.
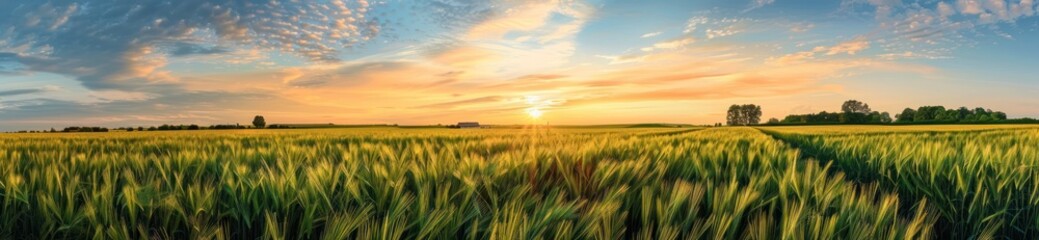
(852, 112)
(938, 114)
(258, 122)
(857, 112)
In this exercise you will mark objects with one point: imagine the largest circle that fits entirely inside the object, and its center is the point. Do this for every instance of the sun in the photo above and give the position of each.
(534, 113)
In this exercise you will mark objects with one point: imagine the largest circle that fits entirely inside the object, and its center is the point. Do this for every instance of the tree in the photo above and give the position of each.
(259, 122)
(854, 106)
(773, 121)
(735, 116)
(907, 115)
(928, 113)
(743, 115)
(753, 114)
(999, 116)
(962, 113)
(885, 117)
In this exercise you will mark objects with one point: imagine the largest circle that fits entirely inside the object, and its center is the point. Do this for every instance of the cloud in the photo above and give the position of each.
(622, 59)
(175, 107)
(675, 43)
(694, 22)
(1024, 8)
(801, 27)
(15, 92)
(945, 10)
(723, 27)
(797, 57)
(462, 56)
(113, 44)
(721, 32)
(462, 103)
(181, 49)
(930, 27)
(652, 34)
(348, 75)
(520, 17)
(849, 47)
(755, 4)
(670, 44)
(913, 55)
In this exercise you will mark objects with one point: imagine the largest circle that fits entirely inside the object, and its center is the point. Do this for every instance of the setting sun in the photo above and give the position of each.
(534, 113)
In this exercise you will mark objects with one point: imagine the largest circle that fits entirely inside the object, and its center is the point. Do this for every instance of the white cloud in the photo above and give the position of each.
(693, 23)
(722, 32)
(652, 34)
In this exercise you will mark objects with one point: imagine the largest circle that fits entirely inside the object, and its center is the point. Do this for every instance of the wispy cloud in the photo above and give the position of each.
(755, 4)
(652, 34)
(670, 44)
(15, 92)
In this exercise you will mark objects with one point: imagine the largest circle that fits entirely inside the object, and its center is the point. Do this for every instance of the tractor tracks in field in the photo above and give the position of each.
(670, 133)
(807, 152)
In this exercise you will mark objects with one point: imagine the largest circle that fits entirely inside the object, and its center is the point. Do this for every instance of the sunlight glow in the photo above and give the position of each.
(534, 113)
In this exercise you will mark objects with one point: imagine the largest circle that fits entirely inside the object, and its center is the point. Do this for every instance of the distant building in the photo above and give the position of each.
(468, 125)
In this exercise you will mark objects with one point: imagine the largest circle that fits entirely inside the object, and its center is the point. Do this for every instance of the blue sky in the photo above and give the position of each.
(149, 62)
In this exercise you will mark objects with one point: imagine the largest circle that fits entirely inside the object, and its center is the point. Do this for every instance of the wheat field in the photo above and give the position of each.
(595, 183)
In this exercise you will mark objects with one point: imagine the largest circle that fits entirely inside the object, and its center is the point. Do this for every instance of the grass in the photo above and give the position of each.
(585, 183)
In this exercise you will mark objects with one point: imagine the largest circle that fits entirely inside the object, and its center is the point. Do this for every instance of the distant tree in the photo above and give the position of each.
(885, 117)
(735, 115)
(907, 115)
(984, 118)
(753, 114)
(998, 115)
(773, 121)
(743, 115)
(193, 127)
(962, 113)
(854, 117)
(929, 114)
(259, 122)
(854, 106)
(140, 129)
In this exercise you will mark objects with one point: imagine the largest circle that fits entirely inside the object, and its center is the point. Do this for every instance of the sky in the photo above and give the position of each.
(148, 62)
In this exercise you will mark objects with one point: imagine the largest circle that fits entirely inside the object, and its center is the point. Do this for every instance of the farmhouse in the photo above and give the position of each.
(468, 125)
